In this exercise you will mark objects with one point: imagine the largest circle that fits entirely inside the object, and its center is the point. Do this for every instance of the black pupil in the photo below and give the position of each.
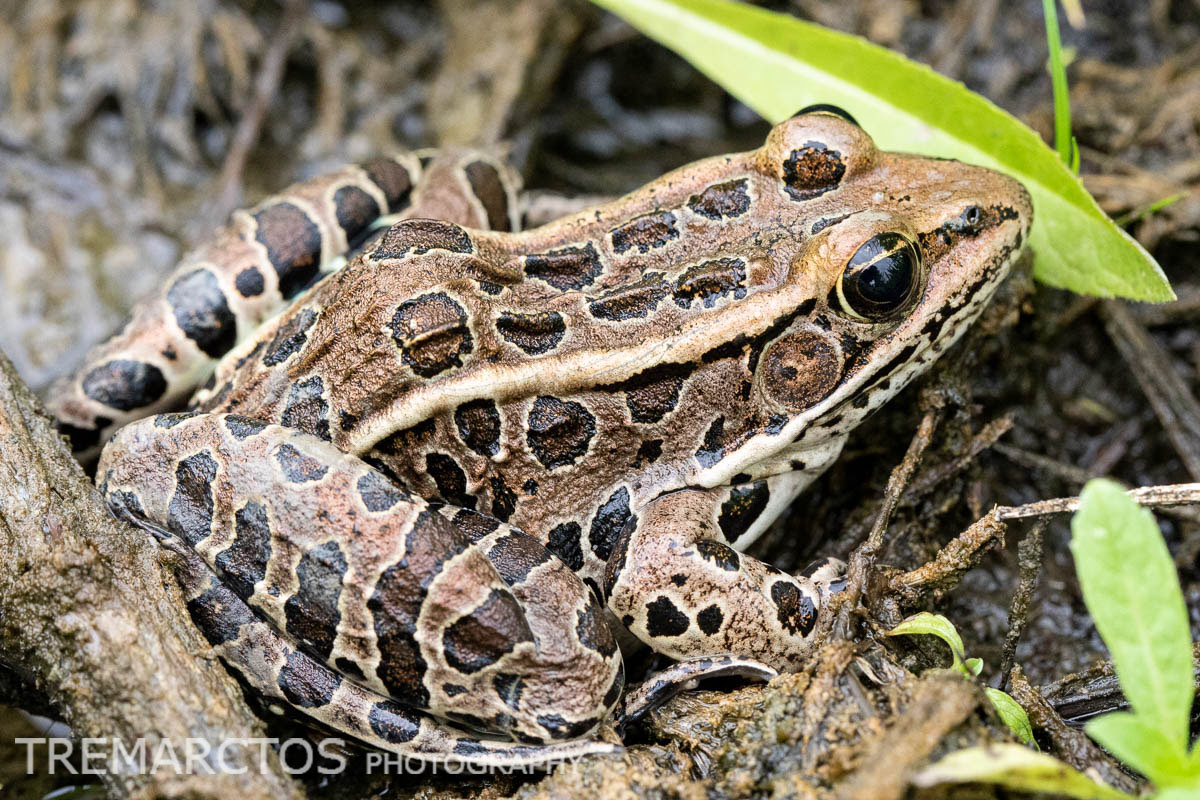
(880, 276)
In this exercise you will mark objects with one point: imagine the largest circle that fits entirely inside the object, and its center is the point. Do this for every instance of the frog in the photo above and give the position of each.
(436, 472)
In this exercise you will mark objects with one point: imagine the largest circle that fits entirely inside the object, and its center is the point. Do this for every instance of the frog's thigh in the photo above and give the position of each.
(247, 643)
(683, 591)
(368, 579)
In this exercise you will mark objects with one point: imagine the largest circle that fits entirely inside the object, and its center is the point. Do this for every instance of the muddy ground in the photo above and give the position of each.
(127, 130)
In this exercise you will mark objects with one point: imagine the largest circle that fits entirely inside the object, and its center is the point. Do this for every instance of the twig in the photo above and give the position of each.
(266, 85)
(1072, 746)
(1029, 556)
(863, 558)
(87, 618)
(1169, 495)
(1169, 396)
(987, 437)
(943, 573)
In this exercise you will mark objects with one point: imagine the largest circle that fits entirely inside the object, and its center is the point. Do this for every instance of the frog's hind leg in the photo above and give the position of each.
(372, 582)
(297, 681)
(676, 585)
(251, 268)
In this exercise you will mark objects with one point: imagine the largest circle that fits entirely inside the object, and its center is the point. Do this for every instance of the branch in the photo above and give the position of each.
(87, 618)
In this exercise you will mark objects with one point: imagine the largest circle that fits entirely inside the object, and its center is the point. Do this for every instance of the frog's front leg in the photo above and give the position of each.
(675, 583)
(442, 610)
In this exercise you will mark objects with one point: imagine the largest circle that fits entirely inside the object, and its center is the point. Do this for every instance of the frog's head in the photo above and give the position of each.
(902, 254)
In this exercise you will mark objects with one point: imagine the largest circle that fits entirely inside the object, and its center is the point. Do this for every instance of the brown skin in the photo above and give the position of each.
(636, 387)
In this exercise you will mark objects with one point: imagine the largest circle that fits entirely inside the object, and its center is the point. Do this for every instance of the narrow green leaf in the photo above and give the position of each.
(777, 64)
(1141, 746)
(1132, 591)
(926, 624)
(1016, 767)
(1064, 142)
(1012, 715)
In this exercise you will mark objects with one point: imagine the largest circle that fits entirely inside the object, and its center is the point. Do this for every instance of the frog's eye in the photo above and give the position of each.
(827, 108)
(880, 279)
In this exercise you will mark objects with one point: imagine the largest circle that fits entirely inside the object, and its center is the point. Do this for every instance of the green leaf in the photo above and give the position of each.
(1143, 747)
(926, 624)
(1011, 713)
(1016, 767)
(1132, 591)
(777, 64)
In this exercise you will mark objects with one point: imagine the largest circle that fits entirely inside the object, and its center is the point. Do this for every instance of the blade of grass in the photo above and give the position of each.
(777, 64)
(1063, 141)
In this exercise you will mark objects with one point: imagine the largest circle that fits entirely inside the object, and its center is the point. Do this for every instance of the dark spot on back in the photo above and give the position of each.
(125, 385)
(664, 619)
(306, 683)
(432, 333)
(720, 555)
(298, 467)
(488, 188)
(611, 519)
(648, 452)
(478, 424)
(397, 600)
(533, 333)
(189, 514)
(249, 282)
(473, 524)
(450, 479)
(722, 200)
(565, 268)
(378, 493)
(653, 393)
(564, 541)
(482, 637)
(393, 723)
(515, 555)
(202, 312)
(504, 499)
(356, 210)
(393, 180)
(743, 507)
(306, 408)
(711, 281)
(290, 337)
(243, 428)
(646, 232)
(244, 562)
(812, 170)
(592, 629)
(219, 615)
(293, 243)
(312, 613)
(709, 619)
(712, 449)
(558, 431)
(794, 609)
(418, 236)
(632, 301)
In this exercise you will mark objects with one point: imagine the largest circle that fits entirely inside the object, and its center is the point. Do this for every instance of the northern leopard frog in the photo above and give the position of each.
(418, 503)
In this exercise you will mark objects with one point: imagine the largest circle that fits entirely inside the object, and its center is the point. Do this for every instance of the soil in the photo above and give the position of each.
(127, 130)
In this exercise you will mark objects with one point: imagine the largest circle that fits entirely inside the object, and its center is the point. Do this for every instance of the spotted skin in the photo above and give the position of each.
(545, 434)
(222, 292)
